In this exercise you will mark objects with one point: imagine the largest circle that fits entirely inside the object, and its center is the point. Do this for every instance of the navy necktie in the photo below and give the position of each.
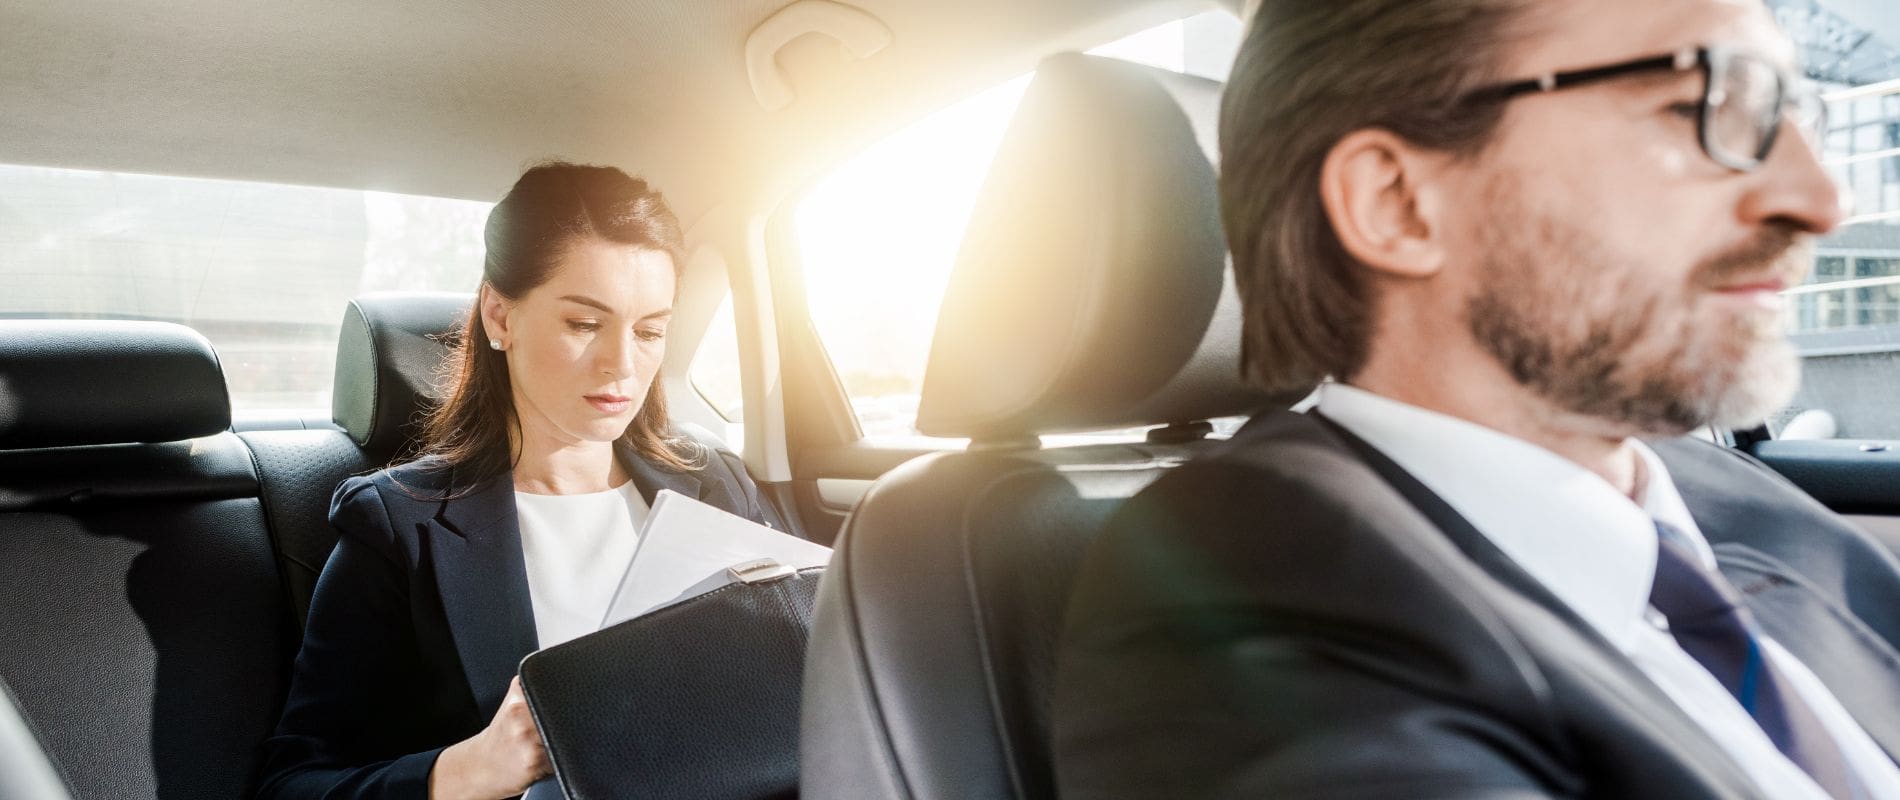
(1708, 620)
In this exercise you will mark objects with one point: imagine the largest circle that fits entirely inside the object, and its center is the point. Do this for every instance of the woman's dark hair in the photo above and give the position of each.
(552, 207)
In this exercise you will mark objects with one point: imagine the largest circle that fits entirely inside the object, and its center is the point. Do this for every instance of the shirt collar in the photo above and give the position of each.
(1593, 547)
(1664, 504)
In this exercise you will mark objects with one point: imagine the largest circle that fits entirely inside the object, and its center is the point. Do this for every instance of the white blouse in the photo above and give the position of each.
(577, 547)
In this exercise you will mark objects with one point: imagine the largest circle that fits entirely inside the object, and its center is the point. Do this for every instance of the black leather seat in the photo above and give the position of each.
(1091, 293)
(147, 637)
(155, 567)
(386, 363)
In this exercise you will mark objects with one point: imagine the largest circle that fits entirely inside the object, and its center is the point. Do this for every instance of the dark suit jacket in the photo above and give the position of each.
(420, 619)
(1296, 617)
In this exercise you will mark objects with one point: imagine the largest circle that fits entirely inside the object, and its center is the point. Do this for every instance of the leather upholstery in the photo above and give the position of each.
(633, 711)
(147, 637)
(149, 620)
(386, 362)
(932, 650)
(1090, 291)
(933, 644)
(77, 382)
(387, 359)
(147, 634)
(65, 479)
(148, 641)
(297, 472)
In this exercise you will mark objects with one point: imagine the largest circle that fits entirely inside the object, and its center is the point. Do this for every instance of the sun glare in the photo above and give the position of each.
(878, 236)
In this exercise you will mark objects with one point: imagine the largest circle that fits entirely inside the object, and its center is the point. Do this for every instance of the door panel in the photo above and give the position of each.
(1849, 476)
(1857, 478)
(842, 494)
(829, 480)
(1886, 529)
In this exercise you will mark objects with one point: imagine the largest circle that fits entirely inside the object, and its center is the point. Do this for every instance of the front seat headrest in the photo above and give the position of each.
(65, 383)
(388, 358)
(1092, 290)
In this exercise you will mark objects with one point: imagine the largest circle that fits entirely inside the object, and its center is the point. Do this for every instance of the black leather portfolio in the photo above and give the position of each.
(696, 700)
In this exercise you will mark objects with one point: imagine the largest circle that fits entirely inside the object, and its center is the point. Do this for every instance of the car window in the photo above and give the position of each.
(262, 270)
(877, 236)
(1845, 319)
(715, 372)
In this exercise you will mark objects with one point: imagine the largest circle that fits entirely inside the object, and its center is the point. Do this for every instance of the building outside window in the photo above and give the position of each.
(1846, 319)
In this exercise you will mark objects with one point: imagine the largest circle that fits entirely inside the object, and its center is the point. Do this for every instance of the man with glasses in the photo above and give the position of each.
(1530, 245)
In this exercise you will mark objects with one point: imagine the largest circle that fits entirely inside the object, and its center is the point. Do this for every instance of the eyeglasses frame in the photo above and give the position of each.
(1708, 58)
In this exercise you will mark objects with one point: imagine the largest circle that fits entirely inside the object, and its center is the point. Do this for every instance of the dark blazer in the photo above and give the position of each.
(420, 619)
(1294, 616)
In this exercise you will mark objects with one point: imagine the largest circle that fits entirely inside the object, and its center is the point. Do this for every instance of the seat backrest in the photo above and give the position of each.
(1091, 293)
(147, 638)
(387, 356)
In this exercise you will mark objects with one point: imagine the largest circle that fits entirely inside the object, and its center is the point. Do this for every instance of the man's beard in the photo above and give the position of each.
(1595, 337)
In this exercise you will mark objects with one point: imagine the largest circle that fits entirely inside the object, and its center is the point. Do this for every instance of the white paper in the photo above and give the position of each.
(685, 548)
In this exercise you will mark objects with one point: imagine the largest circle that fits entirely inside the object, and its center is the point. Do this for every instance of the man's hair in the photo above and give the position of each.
(1309, 73)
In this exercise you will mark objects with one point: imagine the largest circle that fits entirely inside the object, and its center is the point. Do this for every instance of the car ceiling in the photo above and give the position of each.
(453, 98)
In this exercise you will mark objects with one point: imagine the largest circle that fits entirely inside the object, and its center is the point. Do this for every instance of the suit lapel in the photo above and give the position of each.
(1796, 566)
(650, 479)
(1475, 545)
(1616, 686)
(1858, 666)
(482, 578)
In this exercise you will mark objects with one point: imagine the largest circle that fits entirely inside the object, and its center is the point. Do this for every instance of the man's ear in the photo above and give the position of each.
(1380, 196)
(494, 315)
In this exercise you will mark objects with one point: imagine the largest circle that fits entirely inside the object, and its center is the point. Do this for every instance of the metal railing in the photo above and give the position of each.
(1881, 89)
(1841, 286)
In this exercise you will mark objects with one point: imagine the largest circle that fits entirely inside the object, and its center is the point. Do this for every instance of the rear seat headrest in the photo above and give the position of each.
(388, 359)
(1092, 290)
(65, 383)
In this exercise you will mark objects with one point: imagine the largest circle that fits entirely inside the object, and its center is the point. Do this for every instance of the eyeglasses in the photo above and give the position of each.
(1745, 97)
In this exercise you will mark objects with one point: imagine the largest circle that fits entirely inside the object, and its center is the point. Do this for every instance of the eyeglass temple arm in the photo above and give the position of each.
(1552, 81)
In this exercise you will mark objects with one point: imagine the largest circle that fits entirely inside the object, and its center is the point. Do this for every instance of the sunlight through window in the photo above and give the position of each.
(879, 235)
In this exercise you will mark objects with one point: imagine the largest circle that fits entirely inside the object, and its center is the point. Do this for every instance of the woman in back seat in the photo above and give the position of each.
(511, 532)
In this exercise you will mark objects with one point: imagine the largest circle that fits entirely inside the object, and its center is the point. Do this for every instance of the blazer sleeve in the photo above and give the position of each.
(761, 510)
(1233, 635)
(346, 704)
(726, 468)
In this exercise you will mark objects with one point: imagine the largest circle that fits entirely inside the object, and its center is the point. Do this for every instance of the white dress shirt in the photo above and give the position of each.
(577, 547)
(1595, 549)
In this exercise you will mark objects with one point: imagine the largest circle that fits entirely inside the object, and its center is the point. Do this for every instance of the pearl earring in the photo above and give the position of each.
(494, 344)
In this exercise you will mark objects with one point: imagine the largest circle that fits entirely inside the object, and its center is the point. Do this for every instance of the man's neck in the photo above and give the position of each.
(1478, 390)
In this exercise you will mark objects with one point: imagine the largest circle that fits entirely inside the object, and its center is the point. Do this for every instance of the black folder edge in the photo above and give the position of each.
(557, 756)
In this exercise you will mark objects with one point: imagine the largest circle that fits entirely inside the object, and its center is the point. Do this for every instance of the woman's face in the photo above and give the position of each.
(583, 347)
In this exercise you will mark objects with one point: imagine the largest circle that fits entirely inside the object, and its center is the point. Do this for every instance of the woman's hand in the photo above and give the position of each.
(501, 761)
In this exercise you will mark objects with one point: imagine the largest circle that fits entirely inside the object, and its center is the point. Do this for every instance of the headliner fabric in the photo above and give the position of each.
(442, 98)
